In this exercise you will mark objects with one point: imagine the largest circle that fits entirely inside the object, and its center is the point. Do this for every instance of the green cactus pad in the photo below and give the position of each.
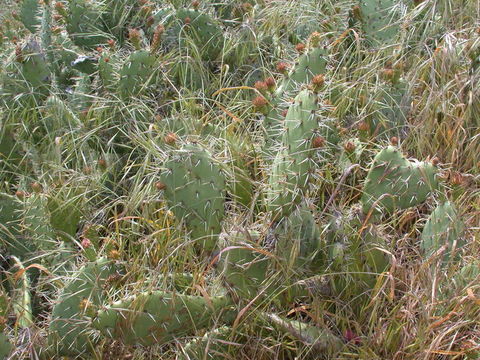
(65, 212)
(391, 117)
(314, 62)
(108, 65)
(5, 346)
(294, 165)
(244, 267)
(321, 339)
(136, 73)
(10, 220)
(27, 74)
(195, 191)
(68, 327)
(84, 24)
(393, 182)
(21, 297)
(10, 157)
(206, 33)
(214, 343)
(443, 227)
(380, 20)
(30, 14)
(157, 317)
(36, 222)
(308, 65)
(299, 241)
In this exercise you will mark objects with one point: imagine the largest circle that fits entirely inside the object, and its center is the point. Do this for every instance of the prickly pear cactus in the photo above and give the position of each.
(5, 346)
(294, 165)
(444, 227)
(245, 268)
(321, 339)
(379, 20)
(84, 24)
(157, 317)
(195, 190)
(202, 29)
(240, 186)
(314, 62)
(10, 218)
(21, 297)
(64, 206)
(82, 98)
(46, 34)
(30, 14)
(10, 157)
(214, 342)
(58, 116)
(393, 112)
(300, 243)
(393, 182)
(69, 327)
(136, 73)
(36, 222)
(108, 65)
(27, 75)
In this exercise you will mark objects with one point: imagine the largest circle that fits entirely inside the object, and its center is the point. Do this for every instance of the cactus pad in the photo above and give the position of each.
(157, 317)
(394, 182)
(195, 190)
(443, 227)
(68, 328)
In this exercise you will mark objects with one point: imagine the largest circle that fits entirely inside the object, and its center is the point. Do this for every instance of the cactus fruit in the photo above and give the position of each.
(68, 328)
(444, 227)
(244, 267)
(379, 20)
(136, 73)
(157, 317)
(30, 14)
(393, 182)
(195, 191)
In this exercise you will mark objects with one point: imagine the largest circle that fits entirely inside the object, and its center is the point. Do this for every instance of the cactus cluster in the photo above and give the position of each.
(201, 178)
